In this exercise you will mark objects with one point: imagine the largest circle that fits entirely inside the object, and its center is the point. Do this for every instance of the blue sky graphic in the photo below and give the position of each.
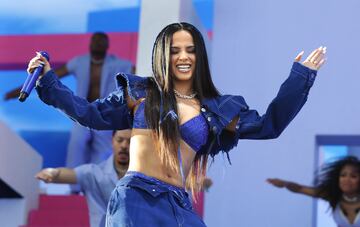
(66, 16)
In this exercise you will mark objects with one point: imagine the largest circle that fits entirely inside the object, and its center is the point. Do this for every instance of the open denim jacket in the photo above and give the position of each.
(112, 112)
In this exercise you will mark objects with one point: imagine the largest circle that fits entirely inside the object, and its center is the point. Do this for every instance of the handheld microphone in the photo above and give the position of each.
(31, 79)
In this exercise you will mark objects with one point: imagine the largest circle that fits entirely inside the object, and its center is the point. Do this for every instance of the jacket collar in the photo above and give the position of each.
(224, 106)
(136, 85)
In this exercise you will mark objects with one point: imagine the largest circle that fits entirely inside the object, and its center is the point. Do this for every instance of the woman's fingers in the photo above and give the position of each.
(36, 62)
(42, 58)
(299, 56)
(271, 181)
(316, 59)
(319, 55)
(32, 67)
(312, 54)
(322, 61)
(276, 182)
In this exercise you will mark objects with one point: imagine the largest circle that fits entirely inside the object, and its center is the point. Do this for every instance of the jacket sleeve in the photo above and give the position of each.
(289, 100)
(284, 107)
(103, 114)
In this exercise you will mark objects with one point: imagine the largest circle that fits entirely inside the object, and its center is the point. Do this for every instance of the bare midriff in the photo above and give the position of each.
(145, 158)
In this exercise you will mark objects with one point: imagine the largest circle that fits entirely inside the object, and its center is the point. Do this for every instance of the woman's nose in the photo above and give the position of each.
(183, 55)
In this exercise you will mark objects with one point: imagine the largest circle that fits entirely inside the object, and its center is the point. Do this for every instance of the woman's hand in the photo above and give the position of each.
(291, 186)
(36, 62)
(277, 182)
(315, 60)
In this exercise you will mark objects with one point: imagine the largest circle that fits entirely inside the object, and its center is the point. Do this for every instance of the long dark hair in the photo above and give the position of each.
(327, 179)
(160, 104)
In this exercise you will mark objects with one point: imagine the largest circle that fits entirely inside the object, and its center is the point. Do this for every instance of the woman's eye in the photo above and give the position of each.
(191, 50)
(174, 51)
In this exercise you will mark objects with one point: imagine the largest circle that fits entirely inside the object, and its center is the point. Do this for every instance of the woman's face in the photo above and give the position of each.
(349, 179)
(182, 56)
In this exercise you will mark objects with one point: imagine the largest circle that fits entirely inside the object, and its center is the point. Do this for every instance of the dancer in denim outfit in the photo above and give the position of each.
(178, 119)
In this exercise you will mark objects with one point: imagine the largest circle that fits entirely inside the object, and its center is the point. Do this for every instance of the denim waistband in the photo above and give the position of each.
(156, 187)
(155, 180)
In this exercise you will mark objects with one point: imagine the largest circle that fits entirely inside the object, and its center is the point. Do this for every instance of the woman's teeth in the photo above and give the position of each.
(183, 68)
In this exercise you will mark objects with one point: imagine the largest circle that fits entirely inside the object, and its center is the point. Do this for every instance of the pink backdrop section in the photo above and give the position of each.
(198, 204)
(17, 50)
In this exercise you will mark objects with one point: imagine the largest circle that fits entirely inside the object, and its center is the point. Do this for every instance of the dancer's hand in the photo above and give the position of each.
(291, 186)
(207, 183)
(277, 182)
(48, 175)
(12, 94)
(315, 60)
(36, 62)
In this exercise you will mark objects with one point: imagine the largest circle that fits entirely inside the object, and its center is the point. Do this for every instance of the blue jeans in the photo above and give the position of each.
(140, 200)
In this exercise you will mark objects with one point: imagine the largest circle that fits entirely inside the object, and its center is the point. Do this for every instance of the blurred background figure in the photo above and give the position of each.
(338, 183)
(96, 181)
(94, 73)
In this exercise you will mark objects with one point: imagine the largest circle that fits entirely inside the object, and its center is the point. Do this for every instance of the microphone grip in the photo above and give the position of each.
(31, 79)
(30, 83)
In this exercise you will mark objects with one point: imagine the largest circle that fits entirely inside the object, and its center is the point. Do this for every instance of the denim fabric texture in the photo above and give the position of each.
(112, 112)
(140, 200)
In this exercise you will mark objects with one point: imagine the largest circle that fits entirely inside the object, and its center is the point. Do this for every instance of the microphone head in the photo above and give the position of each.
(23, 96)
(45, 55)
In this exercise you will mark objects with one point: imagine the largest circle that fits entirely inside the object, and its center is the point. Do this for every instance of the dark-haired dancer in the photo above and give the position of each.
(179, 119)
(338, 183)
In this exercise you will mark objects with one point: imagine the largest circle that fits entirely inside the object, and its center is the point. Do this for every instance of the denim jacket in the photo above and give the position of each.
(112, 112)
